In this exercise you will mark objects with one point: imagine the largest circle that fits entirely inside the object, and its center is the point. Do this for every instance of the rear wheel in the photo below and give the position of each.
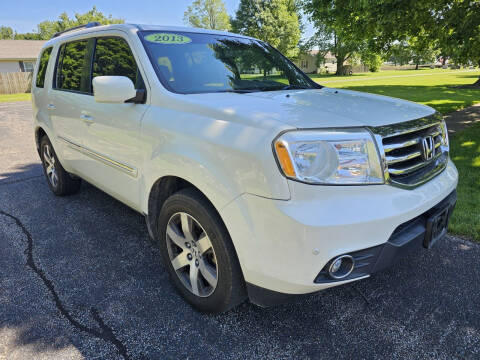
(198, 253)
(60, 182)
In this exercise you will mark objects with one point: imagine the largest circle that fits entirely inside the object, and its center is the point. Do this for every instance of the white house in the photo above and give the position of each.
(307, 62)
(19, 55)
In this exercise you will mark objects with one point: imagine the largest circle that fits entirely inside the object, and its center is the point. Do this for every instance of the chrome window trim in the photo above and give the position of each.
(104, 159)
(383, 132)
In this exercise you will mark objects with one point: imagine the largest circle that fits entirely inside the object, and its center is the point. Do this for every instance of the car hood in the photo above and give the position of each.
(326, 107)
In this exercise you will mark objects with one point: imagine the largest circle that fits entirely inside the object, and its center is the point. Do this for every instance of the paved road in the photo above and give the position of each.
(79, 279)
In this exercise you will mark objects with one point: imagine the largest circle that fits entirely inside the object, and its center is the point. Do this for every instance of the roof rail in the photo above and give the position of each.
(85, 26)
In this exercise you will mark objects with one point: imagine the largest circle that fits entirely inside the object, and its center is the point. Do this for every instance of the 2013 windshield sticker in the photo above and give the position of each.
(168, 38)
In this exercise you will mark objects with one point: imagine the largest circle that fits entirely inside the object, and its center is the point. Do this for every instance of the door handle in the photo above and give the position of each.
(51, 107)
(86, 118)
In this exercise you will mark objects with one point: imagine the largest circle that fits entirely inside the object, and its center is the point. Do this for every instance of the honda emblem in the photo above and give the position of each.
(428, 145)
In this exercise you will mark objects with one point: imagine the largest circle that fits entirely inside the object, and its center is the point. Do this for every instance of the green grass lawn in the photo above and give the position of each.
(15, 97)
(465, 152)
(435, 88)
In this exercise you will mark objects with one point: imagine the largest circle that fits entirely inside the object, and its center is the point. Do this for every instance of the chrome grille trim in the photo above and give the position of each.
(401, 146)
(392, 147)
(409, 169)
(397, 159)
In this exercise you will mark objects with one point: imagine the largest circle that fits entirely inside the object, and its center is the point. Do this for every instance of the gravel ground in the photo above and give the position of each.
(80, 280)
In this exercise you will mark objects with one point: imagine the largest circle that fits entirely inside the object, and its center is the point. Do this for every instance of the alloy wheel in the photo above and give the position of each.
(191, 254)
(49, 164)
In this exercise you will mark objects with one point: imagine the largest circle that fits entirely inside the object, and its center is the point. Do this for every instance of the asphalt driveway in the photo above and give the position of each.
(79, 278)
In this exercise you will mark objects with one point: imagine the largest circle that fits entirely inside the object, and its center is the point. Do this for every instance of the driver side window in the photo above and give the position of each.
(113, 57)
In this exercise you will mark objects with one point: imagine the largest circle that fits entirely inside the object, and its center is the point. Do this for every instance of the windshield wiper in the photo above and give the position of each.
(295, 87)
(238, 91)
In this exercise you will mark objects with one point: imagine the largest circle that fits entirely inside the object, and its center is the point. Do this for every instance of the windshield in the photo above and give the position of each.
(198, 63)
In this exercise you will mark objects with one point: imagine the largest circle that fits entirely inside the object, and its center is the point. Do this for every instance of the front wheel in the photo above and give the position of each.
(60, 182)
(198, 253)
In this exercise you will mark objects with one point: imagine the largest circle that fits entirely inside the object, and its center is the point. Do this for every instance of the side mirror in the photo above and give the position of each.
(113, 89)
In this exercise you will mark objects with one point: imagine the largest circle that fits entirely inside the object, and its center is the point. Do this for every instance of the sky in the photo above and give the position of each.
(24, 15)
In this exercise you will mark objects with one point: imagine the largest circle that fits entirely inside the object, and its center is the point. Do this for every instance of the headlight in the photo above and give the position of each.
(337, 157)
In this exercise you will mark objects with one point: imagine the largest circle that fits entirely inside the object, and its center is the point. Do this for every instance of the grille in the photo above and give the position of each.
(414, 151)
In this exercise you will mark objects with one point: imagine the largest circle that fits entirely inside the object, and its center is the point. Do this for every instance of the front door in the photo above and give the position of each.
(113, 130)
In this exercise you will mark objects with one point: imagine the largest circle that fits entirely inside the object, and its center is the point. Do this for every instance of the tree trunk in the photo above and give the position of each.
(340, 65)
(477, 83)
(416, 66)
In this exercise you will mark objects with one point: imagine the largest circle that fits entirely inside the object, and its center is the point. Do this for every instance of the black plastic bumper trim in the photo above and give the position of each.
(265, 297)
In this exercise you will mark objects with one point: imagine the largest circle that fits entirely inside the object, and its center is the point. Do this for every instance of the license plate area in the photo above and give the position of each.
(437, 225)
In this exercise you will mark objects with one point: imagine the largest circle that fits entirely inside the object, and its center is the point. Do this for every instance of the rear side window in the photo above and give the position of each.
(113, 57)
(73, 67)
(42, 67)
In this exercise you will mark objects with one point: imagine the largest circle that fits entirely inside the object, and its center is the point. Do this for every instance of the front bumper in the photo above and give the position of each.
(284, 245)
(407, 237)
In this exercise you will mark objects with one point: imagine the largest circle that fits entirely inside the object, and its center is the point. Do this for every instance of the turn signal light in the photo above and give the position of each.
(284, 159)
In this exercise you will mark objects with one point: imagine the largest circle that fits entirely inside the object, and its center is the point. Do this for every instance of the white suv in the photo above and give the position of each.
(254, 180)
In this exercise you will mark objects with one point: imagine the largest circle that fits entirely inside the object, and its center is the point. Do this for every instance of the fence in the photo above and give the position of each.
(14, 83)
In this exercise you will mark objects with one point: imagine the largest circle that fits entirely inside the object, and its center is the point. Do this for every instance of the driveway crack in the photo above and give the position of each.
(105, 334)
(364, 297)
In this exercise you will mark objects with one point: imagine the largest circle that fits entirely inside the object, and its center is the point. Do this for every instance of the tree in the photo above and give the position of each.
(340, 27)
(423, 50)
(274, 21)
(458, 25)
(28, 36)
(400, 53)
(453, 25)
(6, 33)
(372, 60)
(207, 14)
(47, 28)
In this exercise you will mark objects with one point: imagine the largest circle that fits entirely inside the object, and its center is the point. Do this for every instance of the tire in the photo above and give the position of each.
(216, 256)
(60, 182)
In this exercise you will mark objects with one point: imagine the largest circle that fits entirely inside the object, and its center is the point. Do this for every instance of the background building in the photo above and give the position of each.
(19, 55)
(309, 64)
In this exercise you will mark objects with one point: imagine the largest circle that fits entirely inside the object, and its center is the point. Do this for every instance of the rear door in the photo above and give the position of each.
(112, 134)
(70, 91)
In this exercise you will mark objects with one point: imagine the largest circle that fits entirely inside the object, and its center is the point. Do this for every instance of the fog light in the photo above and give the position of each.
(341, 267)
(336, 265)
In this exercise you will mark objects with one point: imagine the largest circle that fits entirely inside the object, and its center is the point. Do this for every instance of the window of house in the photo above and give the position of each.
(113, 57)
(27, 66)
(73, 67)
(42, 67)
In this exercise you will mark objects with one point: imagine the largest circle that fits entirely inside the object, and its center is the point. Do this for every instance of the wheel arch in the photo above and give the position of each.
(39, 133)
(161, 190)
